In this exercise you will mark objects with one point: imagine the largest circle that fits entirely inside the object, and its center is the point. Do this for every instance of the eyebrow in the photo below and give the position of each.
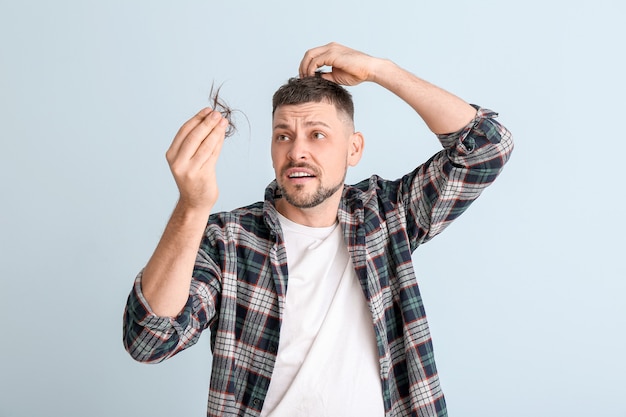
(306, 124)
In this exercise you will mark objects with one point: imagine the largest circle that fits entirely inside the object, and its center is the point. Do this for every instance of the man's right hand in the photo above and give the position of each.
(193, 156)
(166, 279)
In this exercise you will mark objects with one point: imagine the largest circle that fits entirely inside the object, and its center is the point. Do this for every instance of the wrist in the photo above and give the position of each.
(188, 211)
(382, 71)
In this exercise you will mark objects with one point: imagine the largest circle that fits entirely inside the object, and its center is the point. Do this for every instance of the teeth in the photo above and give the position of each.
(300, 175)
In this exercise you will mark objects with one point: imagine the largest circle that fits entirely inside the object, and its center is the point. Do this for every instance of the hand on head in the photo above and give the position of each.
(349, 67)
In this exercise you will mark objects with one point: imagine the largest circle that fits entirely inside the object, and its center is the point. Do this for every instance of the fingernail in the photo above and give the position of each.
(215, 115)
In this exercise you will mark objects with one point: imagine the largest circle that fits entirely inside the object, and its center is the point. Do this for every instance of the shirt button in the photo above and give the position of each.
(272, 348)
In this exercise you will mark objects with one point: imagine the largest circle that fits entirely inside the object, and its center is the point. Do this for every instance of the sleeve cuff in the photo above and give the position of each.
(140, 311)
(477, 133)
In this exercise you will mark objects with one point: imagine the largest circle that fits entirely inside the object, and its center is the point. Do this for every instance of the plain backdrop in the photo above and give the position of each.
(525, 292)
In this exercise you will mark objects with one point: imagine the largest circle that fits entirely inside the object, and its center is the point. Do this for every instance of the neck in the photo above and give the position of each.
(322, 215)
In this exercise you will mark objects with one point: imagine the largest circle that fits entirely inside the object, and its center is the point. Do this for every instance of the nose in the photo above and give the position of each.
(299, 149)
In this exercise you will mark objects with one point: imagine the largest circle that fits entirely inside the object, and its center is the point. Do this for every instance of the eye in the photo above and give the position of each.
(318, 135)
(282, 138)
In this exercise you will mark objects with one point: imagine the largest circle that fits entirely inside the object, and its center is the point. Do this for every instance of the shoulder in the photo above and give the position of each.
(373, 188)
(371, 201)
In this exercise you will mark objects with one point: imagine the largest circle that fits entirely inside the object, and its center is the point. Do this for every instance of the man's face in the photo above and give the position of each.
(312, 146)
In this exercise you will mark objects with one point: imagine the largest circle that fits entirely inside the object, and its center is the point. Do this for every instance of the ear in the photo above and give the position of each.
(355, 151)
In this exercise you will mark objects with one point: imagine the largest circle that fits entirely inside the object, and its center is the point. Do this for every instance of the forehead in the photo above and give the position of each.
(312, 111)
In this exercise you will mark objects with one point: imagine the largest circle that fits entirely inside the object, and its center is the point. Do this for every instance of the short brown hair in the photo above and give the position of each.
(313, 90)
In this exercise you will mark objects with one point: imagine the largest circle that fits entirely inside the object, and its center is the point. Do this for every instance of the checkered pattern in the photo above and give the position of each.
(241, 276)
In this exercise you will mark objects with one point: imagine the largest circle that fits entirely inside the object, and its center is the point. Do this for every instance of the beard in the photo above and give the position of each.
(305, 201)
(300, 200)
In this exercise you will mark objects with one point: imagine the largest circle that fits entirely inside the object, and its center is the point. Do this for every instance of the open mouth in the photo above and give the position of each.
(300, 175)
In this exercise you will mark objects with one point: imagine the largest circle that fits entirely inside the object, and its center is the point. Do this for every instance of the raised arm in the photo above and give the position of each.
(476, 147)
(441, 111)
(192, 157)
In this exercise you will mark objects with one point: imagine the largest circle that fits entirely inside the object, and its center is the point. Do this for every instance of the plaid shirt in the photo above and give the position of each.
(240, 278)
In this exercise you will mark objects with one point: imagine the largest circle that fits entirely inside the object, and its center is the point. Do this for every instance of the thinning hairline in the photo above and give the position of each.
(322, 99)
(343, 115)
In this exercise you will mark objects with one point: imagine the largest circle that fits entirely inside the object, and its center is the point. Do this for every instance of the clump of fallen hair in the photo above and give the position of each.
(218, 104)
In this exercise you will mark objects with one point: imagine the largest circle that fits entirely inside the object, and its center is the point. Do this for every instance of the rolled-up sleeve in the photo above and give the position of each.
(150, 338)
(441, 189)
(483, 140)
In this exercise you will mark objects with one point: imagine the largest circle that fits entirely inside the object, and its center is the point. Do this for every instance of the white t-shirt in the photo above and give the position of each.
(327, 362)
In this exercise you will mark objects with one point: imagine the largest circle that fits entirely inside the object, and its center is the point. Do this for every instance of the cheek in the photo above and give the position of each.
(338, 164)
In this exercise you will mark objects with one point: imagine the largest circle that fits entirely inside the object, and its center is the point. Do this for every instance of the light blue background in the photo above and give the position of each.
(525, 292)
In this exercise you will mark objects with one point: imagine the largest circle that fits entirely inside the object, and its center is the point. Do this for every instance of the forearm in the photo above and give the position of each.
(442, 111)
(166, 278)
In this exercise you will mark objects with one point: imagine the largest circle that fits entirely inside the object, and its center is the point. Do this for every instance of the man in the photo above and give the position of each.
(310, 295)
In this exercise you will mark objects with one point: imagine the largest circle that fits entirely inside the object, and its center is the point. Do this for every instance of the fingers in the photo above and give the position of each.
(349, 67)
(204, 135)
(208, 151)
(193, 157)
(195, 149)
(317, 57)
(186, 128)
(336, 76)
(192, 135)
